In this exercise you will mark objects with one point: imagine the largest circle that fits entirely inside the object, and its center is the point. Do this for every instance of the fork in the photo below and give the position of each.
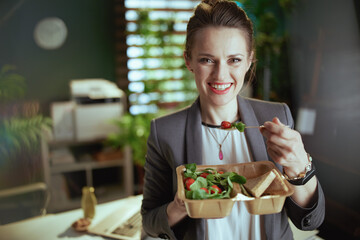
(234, 128)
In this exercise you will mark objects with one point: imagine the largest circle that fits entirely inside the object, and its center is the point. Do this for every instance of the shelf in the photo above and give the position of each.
(67, 178)
(82, 166)
(74, 143)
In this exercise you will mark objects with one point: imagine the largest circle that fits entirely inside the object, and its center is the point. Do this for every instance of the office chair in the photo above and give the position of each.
(21, 202)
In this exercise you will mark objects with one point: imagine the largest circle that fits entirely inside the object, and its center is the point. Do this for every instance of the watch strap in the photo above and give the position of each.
(303, 177)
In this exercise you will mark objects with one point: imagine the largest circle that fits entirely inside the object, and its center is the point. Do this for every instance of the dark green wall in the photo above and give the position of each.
(87, 53)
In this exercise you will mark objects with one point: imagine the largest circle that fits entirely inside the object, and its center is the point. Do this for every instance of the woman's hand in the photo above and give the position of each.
(176, 211)
(285, 147)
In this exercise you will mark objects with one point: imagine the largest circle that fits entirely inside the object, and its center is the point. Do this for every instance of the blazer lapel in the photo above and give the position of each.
(254, 138)
(193, 134)
(194, 154)
(257, 148)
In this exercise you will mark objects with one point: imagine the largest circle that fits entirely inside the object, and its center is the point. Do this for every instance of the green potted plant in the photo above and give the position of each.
(133, 131)
(21, 129)
(272, 70)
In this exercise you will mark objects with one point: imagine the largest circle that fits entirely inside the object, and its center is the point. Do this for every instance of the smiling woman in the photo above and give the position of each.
(219, 53)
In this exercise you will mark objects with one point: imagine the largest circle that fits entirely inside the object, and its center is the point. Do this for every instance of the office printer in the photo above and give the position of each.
(97, 102)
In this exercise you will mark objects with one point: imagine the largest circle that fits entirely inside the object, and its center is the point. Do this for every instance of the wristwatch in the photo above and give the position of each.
(303, 177)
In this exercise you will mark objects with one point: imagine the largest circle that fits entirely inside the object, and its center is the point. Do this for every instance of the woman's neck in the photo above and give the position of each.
(214, 115)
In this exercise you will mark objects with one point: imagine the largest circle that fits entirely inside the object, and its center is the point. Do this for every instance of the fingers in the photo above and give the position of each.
(175, 211)
(274, 138)
(278, 128)
(275, 156)
(278, 133)
(280, 137)
(284, 145)
(280, 155)
(277, 121)
(178, 201)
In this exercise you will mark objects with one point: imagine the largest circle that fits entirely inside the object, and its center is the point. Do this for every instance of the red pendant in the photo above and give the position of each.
(221, 155)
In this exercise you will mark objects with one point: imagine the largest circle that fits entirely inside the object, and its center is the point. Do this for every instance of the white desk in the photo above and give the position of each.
(56, 226)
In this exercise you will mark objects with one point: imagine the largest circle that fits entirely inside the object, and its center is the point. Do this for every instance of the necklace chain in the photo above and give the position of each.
(221, 156)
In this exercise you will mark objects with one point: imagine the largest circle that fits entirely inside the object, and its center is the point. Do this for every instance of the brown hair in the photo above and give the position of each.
(219, 13)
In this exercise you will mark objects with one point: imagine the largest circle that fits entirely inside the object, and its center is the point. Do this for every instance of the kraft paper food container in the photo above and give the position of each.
(272, 201)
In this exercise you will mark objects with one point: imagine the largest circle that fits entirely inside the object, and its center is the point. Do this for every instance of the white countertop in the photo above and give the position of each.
(56, 226)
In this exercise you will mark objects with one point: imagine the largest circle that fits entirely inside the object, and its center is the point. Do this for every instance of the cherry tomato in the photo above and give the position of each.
(188, 183)
(225, 124)
(215, 187)
(185, 179)
(204, 174)
(207, 191)
(221, 172)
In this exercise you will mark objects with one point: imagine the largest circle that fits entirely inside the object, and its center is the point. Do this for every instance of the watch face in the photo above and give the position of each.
(50, 33)
(304, 180)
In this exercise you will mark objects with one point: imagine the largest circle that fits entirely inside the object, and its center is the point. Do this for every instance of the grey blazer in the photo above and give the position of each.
(176, 139)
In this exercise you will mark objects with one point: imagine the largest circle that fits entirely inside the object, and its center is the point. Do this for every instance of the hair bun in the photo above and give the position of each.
(210, 2)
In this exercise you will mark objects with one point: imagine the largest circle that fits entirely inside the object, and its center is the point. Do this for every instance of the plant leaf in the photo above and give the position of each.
(238, 179)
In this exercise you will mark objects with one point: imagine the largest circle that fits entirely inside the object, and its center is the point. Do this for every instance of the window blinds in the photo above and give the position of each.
(150, 37)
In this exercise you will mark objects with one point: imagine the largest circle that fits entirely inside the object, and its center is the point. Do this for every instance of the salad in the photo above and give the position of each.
(209, 183)
(238, 125)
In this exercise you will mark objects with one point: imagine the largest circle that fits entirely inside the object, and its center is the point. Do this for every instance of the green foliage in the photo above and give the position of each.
(154, 32)
(269, 18)
(12, 85)
(160, 42)
(19, 132)
(220, 179)
(133, 131)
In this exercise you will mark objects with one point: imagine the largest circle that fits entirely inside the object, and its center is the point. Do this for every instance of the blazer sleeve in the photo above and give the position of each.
(157, 192)
(305, 218)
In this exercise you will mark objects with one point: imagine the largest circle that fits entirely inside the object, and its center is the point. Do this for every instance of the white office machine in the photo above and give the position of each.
(97, 102)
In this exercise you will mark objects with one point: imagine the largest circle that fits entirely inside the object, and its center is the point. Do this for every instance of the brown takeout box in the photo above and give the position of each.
(272, 201)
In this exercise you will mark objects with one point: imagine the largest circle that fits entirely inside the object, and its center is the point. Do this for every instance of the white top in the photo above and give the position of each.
(239, 224)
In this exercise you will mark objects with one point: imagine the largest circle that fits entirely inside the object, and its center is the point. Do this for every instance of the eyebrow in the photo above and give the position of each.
(231, 55)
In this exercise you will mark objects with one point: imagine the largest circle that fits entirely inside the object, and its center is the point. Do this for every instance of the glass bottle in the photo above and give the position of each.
(88, 202)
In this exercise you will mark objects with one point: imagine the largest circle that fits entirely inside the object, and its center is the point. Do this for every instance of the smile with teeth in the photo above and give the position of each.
(220, 86)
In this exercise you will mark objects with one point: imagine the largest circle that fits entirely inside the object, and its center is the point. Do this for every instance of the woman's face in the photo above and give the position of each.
(219, 61)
